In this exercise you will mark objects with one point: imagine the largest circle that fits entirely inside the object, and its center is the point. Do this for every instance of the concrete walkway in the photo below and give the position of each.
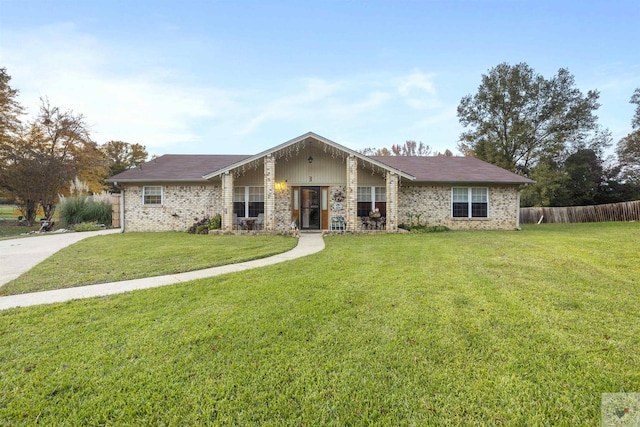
(18, 256)
(308, 243)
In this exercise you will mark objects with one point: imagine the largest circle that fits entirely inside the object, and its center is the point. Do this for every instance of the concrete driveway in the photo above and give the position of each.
(20, 255)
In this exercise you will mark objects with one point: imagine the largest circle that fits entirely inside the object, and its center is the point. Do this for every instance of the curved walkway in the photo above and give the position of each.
(308, 243)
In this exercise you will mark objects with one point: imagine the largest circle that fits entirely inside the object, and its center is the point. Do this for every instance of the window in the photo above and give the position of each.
(151, 195)
(364, 201)
(256, 201)
(371, 198)
(248, 201)
(470, 202)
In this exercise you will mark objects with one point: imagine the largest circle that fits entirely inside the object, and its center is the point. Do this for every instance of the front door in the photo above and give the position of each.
(310, 208)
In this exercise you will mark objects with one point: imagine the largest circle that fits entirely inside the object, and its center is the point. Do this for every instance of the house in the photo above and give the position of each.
(314, 183)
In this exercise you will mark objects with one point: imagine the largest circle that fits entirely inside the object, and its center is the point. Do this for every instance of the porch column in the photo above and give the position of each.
(227, 201)
(392, 201)
(269, 193)
(352, 193)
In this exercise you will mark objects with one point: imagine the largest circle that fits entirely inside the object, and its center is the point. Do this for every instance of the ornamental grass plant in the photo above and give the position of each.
(85, 208)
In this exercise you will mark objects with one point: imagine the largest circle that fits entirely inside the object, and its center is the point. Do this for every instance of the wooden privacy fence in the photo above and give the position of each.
(625, 211)
(115, 210)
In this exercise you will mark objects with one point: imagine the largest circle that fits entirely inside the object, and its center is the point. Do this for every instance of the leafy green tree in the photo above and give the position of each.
(123, 155)
(628, 148)
(518, 117)
(585, 173)
(550, 186)
(10, 108)
(10, 126)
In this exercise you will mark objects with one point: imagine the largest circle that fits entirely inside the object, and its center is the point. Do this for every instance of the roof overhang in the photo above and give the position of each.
(137, 181)
(303, 139)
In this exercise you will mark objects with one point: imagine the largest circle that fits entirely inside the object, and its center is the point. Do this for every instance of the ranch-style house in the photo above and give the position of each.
(313, 183)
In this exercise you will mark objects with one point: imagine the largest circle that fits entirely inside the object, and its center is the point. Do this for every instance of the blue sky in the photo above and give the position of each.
(240, 77)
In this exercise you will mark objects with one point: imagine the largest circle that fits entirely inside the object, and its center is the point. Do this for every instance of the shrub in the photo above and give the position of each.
(87, 226)
(431, 229)
(215, 223)
(202, 226)
(78, 209)
(70, 209)
(423, 228)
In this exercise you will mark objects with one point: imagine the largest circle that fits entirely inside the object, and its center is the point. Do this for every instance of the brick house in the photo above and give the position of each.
(314, 183)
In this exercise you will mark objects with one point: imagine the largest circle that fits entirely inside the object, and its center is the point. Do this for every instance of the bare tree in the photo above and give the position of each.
(411, 148)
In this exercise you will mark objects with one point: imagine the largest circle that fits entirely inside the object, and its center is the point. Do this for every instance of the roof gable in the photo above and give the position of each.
(302, 140)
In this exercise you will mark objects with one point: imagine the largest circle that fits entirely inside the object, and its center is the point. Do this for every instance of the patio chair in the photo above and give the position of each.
(46, 225)
(364, 220)
(237, 224)
(337, 223)
(260, 222)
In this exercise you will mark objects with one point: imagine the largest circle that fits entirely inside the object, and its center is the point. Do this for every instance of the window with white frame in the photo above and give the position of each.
(152, 195)
(470, 202)
(248, 201)
(372, 198)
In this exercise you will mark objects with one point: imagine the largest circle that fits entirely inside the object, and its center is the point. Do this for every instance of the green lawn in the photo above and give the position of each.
(116, 257)
(8, 212)
(10, 228)
(9, 222)
(458, 328)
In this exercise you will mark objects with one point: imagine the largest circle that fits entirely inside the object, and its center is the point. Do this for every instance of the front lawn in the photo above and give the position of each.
(11, 228)
(8, 212)
(459, 328)
(125, 256)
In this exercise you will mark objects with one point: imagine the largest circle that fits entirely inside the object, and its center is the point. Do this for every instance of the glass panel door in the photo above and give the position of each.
(310, 208)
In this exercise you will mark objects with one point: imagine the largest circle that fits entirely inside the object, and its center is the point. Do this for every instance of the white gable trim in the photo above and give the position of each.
(304, 138)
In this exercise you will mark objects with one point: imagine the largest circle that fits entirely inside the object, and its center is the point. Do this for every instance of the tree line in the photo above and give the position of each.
(39, 158)
(547, 130)
(542, 128)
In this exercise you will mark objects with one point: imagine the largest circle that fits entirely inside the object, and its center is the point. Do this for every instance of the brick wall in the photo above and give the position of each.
(351, 202)
(226, 200)
(433, 202)
(282, 215)
(269, 192)
(181, 205)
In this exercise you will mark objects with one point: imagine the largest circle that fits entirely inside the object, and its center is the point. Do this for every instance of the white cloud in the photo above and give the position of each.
(418, 90)
(149, 102)
(74, 72)
(289, 107)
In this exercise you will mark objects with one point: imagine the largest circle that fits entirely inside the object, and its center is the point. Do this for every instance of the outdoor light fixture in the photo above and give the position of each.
(310, 159)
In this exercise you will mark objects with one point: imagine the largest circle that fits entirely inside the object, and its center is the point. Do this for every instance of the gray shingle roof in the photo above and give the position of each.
(179, 167)
(452, 169)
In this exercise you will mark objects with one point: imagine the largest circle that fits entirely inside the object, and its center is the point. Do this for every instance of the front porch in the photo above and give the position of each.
(309, 183)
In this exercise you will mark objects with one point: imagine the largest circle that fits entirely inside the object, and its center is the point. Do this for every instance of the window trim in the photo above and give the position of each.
(470, 203)
(144, 195)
